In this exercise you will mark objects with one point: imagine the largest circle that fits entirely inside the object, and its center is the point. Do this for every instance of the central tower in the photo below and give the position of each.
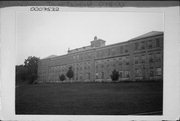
(97, 42)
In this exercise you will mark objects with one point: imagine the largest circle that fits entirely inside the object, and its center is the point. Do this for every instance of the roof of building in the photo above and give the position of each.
(51, 56)
(149, 34)
(80, 49)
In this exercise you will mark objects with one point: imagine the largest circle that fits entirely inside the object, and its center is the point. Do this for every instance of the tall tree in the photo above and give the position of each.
(62, 77)
(70, 73)
(31, 63)
(21, 73)
(115, 75)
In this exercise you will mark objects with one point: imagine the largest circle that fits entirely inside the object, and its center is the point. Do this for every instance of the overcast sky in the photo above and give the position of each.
(52, 33)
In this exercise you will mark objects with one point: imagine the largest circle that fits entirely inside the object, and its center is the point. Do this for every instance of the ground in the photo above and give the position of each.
(132, 98)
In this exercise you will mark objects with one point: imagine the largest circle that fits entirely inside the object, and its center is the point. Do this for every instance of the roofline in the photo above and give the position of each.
(97, 48)
(53, 57)
(146, 37)
(98, 40)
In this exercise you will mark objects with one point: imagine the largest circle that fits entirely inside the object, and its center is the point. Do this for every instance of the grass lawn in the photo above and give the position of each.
(132, 98)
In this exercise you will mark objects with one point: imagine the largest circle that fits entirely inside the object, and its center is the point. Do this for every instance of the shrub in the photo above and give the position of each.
(62, 77)
(115, 75)
(70, 73)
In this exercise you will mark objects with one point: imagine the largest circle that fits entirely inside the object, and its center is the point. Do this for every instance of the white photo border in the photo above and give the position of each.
(171, 83)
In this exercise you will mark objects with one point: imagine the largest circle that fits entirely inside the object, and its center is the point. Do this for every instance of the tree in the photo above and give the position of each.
(31, 64)
(115, 75)
(62, 77)
(70, 73)
(21, 73)
(28, 71)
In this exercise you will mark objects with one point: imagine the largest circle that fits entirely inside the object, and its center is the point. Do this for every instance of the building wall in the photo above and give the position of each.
(140, 59)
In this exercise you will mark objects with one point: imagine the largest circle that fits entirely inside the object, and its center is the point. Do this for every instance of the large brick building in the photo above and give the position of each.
(140, 58)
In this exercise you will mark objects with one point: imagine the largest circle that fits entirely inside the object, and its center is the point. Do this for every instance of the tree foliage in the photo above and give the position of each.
(28, 71)
(31, 63)
(62, 77)
(70, 73)
(21, 73)
(115, 75)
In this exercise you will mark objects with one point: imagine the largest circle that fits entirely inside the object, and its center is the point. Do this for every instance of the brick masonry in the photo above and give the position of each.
(140, 58)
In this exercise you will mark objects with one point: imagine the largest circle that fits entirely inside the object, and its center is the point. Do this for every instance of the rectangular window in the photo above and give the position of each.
(102, 75)
(97, 54)
(80, 77)
(108, 52)
(158, 71)
(102, 65)
(120, 62)
(120, 74)
(150, 44)
(121, 49)
(157, 42)
(136, 60)
(74, 57)
(96, 67)
(126, 49)
(151, 73)
(77, 57)
(136, 46)
(102, 53)
(127, 74)
(113, 51)
(150, 58)
(143, 58)
(88, 75)
(77, 76)
(142, 45)
(97, 75)
(127, 61)
(158, 57)
(138, 73)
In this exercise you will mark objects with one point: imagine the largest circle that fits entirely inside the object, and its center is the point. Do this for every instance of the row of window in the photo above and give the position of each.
(76, 67)
(112, 62)
(152, 58)
(112, 66)
(85, 76)
(122, 49)
(126, 74)
(83, 56)
(103, 75)
(122, 74)
(155, 43)
(101, 53)
(112, 51)
(139, 59)
(152, 72)
(102, 64)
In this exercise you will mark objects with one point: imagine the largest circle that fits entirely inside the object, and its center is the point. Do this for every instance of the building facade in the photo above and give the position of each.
(140, 58)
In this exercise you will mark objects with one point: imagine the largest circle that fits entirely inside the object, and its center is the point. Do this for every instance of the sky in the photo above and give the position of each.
(44, 34)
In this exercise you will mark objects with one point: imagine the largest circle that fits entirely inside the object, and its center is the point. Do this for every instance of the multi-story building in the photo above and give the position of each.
(140, 58)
